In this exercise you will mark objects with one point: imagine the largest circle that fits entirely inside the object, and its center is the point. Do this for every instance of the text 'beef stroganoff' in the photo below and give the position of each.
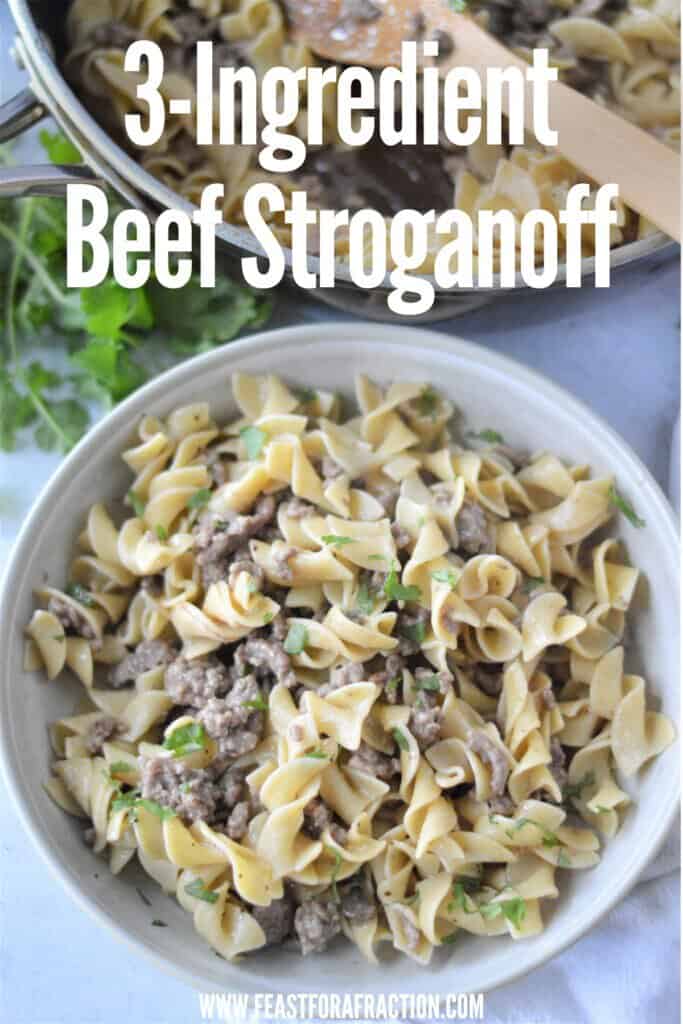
(625, 54)
(347, 676)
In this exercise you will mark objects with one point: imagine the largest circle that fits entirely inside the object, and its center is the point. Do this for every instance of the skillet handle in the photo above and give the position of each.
(44, 180)
(17, 115)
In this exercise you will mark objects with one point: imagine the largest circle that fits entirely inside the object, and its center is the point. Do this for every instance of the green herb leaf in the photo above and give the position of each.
(459, 6)
(126, 801)
(573, 790)
(514, 910)
(317, 755)
(268, 618)
(364, 600)
(199, 499)
(137, 503)
(377, 558)
(200, 892)
(490, 436)
(161, 532)
(297, 638)
(158, 810)
(446, 576)
(196, 319)
(80, 594)
(626, 508)
(549, 838)
(122, 767)
(187, 739)
(254, 440)
(449, 939)
(531, 582)
(415, 632)
(401, 741)
(563, 860)
(334, 541)
(395, 591)
(393, 683)
(306, 395)
(259, 704)
(428, 403)
(432, 683)
(59, 149)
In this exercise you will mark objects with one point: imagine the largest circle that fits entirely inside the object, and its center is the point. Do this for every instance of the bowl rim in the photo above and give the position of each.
(153, 392)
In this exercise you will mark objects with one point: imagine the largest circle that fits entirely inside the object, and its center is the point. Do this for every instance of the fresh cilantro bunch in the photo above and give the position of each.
(106, 331)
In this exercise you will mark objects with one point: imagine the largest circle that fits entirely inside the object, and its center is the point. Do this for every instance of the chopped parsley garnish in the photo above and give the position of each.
(199, 499)
(377, 558)
(460, 893)
(563, 860)
(268, 618)
(432, 683)
(549, 838)
(459, 6)
(158, 810)
(393, 683)
(573, 790)
(396, 591)
(335, 870)
(415, 632)
(188, 739)
(448, 940)
(335, 541)
(401, 741)
(259, 704)
(254, 440)
(80, 594)
(488, 435)
(137, 503)
(364, 600)
(126, 801)
(531, 582)
(161, 532)
(428, 402)
(306, 395)
(119, 767)
(200, 892)
(318, 755)
(446, 576)
(625, 507)
(296, 639)
(514, 910)
(132, 800)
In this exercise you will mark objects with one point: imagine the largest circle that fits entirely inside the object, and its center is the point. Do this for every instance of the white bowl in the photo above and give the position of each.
(492, 392)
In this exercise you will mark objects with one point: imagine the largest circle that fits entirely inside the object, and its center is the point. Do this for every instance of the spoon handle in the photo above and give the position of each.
(597, 141)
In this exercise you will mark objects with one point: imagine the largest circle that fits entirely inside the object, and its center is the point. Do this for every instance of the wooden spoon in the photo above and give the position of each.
(597, 141)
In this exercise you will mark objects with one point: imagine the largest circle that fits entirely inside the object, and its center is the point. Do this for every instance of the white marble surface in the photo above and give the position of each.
(619, 352)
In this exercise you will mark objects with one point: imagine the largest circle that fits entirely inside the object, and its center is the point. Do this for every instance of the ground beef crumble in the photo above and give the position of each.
(316, 922)
(187, 791)
(195, 682)
(147, 655)
(103, 729)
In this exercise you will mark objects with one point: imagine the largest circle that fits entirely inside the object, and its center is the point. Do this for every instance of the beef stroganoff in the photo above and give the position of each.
(623, 53)
(347, 675)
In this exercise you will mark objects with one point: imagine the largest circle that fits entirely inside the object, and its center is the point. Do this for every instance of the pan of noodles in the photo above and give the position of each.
(622, 53)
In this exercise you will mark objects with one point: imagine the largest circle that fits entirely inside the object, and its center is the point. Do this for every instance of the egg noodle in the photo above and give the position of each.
(360, 675)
